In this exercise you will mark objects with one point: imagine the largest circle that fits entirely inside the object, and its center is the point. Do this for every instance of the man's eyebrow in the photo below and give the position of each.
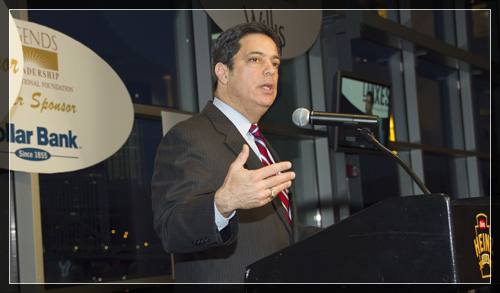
(273, 57)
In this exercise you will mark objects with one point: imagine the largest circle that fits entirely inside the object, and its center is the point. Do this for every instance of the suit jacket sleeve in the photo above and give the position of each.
(183, 194)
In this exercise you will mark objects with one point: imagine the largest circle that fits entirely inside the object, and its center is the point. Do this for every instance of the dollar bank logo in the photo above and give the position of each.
(483, 243)
(41, 58)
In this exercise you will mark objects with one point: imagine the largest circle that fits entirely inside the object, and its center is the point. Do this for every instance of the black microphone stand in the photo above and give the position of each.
(369, 137)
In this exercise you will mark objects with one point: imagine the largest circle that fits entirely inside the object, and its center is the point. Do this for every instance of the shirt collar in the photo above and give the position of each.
(240, 121)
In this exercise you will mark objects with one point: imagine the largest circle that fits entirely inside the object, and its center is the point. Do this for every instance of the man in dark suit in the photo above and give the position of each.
(215, 203)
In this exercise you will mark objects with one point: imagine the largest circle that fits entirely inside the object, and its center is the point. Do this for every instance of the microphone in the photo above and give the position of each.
(303, 117)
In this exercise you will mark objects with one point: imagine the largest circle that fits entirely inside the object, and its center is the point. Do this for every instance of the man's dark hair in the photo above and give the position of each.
(228, 44)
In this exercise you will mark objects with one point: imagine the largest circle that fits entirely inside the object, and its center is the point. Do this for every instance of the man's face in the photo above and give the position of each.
(369, 104)
(252, 84)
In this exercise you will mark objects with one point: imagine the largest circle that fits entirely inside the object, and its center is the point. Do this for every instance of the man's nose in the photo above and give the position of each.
(270, 69)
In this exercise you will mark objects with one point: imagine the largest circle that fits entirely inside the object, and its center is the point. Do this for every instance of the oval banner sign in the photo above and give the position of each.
(297, 29)
(73, 111)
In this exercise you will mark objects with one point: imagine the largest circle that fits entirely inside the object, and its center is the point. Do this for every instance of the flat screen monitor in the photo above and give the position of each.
(361, 95)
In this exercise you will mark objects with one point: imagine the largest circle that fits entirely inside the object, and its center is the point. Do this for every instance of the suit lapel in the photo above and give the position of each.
(234, 141)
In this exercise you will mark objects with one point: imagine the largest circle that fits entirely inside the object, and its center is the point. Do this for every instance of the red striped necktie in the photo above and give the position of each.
(266, 160)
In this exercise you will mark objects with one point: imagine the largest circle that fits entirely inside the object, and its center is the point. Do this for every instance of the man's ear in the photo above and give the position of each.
(221, 72)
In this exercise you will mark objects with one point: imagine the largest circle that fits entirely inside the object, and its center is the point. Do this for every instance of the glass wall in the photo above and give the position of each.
(482, 112)
(140, 45)
(478, 30)
(481, 94)
(438, 24)
(436, 92)
(97, 222)
(435, 125)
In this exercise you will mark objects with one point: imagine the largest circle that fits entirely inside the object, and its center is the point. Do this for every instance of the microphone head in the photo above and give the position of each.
(300, 117)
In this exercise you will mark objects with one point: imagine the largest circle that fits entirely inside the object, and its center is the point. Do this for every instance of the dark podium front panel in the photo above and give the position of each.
(399, 240)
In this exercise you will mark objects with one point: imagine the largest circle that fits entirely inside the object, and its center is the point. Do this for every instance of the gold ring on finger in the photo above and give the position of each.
(273, 193)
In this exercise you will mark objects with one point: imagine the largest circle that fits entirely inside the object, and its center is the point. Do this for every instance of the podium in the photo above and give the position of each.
(412, 239)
